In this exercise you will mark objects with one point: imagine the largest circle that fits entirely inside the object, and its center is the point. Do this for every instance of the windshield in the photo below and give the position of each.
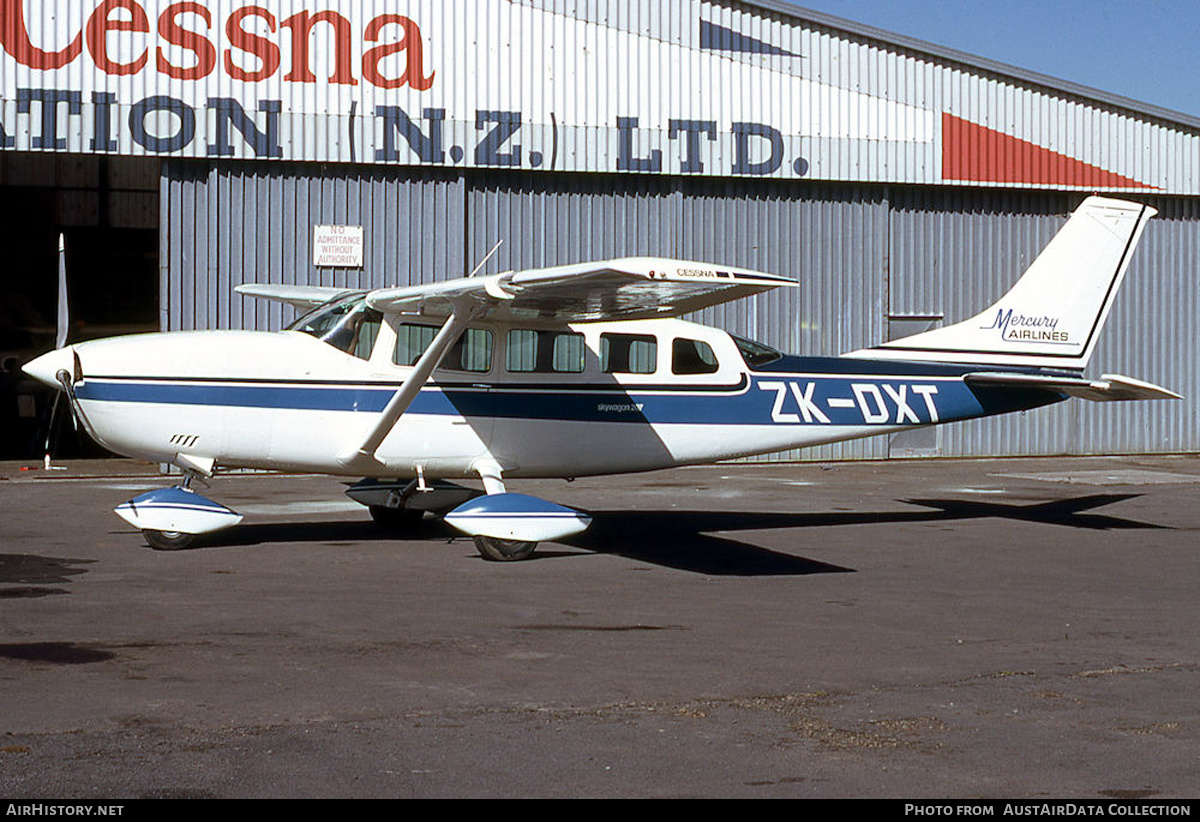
(347, 324)
(755, 354)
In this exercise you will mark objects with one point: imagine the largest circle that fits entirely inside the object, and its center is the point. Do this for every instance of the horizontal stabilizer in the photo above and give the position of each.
(517, 516)
(176, 510)
(1108, 388)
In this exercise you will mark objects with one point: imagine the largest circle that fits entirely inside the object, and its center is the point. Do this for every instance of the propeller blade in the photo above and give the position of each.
(64, 309)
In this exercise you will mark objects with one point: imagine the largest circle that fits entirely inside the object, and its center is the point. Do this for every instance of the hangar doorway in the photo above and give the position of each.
(106, 208)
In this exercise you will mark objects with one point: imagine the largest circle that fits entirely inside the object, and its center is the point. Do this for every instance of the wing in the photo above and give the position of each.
(623, 289)
(629, 288)
(303, 297)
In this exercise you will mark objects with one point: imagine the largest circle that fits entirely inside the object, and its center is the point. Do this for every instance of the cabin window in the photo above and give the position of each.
(543, 352)
(472, 352)
(628, 353)
(348, 325)
(692, 357)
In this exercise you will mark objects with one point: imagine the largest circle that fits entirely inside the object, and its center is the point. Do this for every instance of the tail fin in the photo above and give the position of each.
(1052, 317)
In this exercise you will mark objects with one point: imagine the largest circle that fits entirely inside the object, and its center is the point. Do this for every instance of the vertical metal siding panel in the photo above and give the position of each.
(417, 229)
(167, 244)
(287, 272)
(170, 243)
(414, 227)
(226, 201)
(182, 244)
(393, 206)
(426, 198)
(205, 230)
(269, 258)
(234, 243)
(381, 239)
(451, 244)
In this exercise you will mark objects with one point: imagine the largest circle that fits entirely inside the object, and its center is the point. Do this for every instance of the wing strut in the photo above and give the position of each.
(463, 311)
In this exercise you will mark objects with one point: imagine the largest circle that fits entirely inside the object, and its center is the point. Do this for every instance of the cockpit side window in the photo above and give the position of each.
(348, 325)
(368, 332)
(755, 354)
(411, 342)
(692, 357)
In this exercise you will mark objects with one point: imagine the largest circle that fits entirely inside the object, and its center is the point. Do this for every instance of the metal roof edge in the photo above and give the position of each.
(972, 60)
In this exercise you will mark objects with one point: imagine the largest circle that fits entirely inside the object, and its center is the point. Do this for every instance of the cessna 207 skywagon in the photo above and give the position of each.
(569, 371)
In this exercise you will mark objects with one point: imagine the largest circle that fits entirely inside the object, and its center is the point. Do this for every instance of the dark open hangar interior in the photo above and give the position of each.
(107, 210)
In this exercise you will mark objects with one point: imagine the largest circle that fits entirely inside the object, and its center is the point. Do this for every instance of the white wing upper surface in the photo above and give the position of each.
(622, 289)
(303, 297)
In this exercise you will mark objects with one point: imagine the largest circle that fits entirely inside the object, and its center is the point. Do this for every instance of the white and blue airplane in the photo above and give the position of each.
(576, 370)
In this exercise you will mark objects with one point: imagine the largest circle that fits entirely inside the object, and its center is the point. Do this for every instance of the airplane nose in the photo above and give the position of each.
(46, 367)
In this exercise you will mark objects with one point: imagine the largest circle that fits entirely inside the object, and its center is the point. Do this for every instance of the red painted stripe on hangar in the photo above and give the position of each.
(975, 153)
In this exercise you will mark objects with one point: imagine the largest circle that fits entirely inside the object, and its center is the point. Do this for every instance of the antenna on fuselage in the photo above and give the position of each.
(486, 257)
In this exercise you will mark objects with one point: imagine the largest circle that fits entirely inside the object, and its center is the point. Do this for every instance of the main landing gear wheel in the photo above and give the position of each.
(503, 550)
(168, 540)
(395, 517)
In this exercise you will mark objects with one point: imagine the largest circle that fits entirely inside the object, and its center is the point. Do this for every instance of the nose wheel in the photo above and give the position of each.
(168, 540)
(170, 519)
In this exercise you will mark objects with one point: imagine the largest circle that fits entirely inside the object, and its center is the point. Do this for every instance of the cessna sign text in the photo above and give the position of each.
(690, 87)
(119, 41)
(415, 83)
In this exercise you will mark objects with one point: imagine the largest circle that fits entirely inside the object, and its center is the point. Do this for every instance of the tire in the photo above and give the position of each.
(168, 540)
(395, 517)
(503, 550)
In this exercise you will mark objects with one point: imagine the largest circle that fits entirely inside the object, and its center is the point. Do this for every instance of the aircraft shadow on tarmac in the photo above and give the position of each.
(37, 576)
(1068, 512)
(697, 541)
(687, 540)
(674, 539)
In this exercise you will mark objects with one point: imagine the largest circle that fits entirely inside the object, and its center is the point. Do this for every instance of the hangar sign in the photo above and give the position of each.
(339, 246)
(391, 82)
(460, 83)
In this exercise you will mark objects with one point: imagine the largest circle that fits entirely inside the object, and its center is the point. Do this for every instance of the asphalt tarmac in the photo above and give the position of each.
(912, 629)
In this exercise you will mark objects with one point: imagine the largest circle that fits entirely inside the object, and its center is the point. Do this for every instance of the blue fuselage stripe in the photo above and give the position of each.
(772, 397)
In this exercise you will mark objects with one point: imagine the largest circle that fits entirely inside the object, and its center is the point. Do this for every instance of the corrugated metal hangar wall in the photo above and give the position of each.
(903, 184)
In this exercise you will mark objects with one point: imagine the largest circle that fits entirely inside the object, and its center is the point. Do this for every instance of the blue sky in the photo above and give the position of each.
(1147, 50)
